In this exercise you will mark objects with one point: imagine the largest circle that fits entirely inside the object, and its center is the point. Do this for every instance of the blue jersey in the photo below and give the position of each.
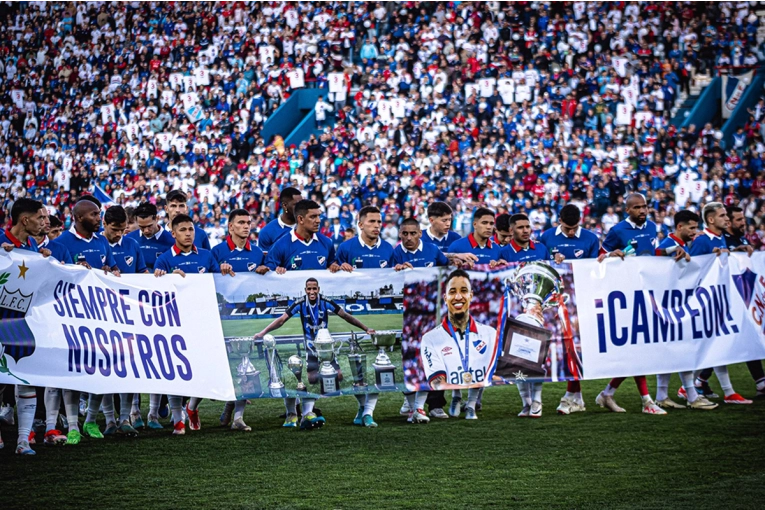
(195, 261)
(356, 253)
(6, 237)
(706, 242)
(490, 251)
(272, 232)
(293, 253)
(425, 255)
(584, 244)
(201, 241)
(626, 233)
(313, 316)
(513, 252)
(442, 243)
(95, 251)
(128, 256)
(57, 251)
(246, 259)
(154, 246)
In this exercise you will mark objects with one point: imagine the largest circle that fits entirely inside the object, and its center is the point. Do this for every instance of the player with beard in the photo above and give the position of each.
(459, 352)
(26, 222)
(676, 245)
(635, 235)
(284, 223)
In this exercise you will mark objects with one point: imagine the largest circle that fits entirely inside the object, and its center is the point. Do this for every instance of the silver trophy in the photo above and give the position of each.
(384, 368)
(326, 349)
(358, 362)
(243, 348)
(537, 285)
(295, 364)
(275, 383)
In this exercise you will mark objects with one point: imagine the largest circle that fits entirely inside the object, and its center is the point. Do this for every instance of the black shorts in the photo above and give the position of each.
(312, 367)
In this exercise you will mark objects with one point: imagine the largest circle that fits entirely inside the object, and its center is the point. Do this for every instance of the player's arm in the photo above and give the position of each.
(276, 324)
(432, 364)
(274, 261)
(609, 248)
(748, 248)
(353, 321)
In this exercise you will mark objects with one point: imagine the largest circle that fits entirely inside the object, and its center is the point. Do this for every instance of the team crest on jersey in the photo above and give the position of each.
(159, 253)
(578, 253)
(251, 266)
(297, 262)
(201, 269)
(429, 264)
(480, 346)
(383, 263)
(446, 351)
(103, 259)
(322, 260)
(129, 260)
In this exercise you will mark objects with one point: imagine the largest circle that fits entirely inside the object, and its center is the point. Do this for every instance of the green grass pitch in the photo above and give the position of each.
(248, 327)
(687, 459)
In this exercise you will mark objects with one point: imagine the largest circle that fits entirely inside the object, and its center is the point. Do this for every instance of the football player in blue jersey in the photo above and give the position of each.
(480, 241)
(304, 247)
(503, 231)
(675, 245)
(26, 222)
(368, 250)
(314, 313)
(284, 223)
(439, 232)
(412, 252)
(569, 241)
(152, 239)
(711, 240)
(48, 234)
(635, 235)
(184, 257)
(86, 247)
(177, 203)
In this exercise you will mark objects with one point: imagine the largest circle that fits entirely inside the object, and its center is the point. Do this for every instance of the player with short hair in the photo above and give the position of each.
(368, 251)
(439, 232)
(503, 232)
(635, 235)
(412, 252)
(459, 352)
(82, 241)
(314, 313)
(152, 239)
(177, 203)
(282, 224)
(304, 247)
(26, 222)
(184, 257)
(711, 240)
(675, 245)
(48, 233)
(570, 241)
(479, 242)
(244, 257)
(56, 227)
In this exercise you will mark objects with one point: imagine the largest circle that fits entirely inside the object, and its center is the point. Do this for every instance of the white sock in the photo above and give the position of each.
(419, 399)
(569, 395)
(646, 399)
(480, 393)
(362, 400)
(456, 394)
(724, 378)
(411, 400)
(371, 403)
(154, 406)
(609, 391)
(94, 403)
(72, 408)
(52, 406)
(291, 405)
(176, 407)
(690, 389)
(26, 404)
(662, 386)
(473, 396)
(536, 392)
(524, 391)
(239, 409)
(578, 396)
(136, 404)
(126, 403)
(194, 403)
(107, 405)
(307, 405)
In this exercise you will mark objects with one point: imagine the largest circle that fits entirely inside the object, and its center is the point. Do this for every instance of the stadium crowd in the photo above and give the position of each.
(513, 109)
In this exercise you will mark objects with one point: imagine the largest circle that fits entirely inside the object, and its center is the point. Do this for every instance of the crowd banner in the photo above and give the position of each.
(733, 88)
(74, 328)
(585, 320)
(316, 351)
(653, 315)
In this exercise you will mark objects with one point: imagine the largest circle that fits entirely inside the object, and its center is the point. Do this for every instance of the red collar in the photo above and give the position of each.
(177, 251)
(712, 234)
(496, 240)
(12, 238)
(474, 243)
(232, 246)
(517, 247)
(677, 239)
(298, 236)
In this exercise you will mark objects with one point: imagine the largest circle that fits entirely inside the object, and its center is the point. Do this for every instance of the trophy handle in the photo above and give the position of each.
(554, 302)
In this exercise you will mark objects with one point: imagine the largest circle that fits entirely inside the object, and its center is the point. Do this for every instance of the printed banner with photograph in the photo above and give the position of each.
(311, 332)
(73, 328)
(520, 323)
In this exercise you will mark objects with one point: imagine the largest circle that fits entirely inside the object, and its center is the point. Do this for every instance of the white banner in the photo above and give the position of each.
(733, 88)
(669, 316)
(73, 328)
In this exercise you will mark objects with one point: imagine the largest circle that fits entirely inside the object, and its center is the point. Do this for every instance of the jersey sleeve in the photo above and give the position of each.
(205, 239)
(594, 250)
(611, 242)
(441, 259)
(332, 306)
(331, 255)
(397, 257)
(214, 267)
(293, 309)
(274, 258)
(700, 246)
(341, 257)
(432, 363)
(110, 256)
(140, 263)
(163, 264)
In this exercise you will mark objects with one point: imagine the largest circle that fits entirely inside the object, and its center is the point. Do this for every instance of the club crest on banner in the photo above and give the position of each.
(16, 339)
